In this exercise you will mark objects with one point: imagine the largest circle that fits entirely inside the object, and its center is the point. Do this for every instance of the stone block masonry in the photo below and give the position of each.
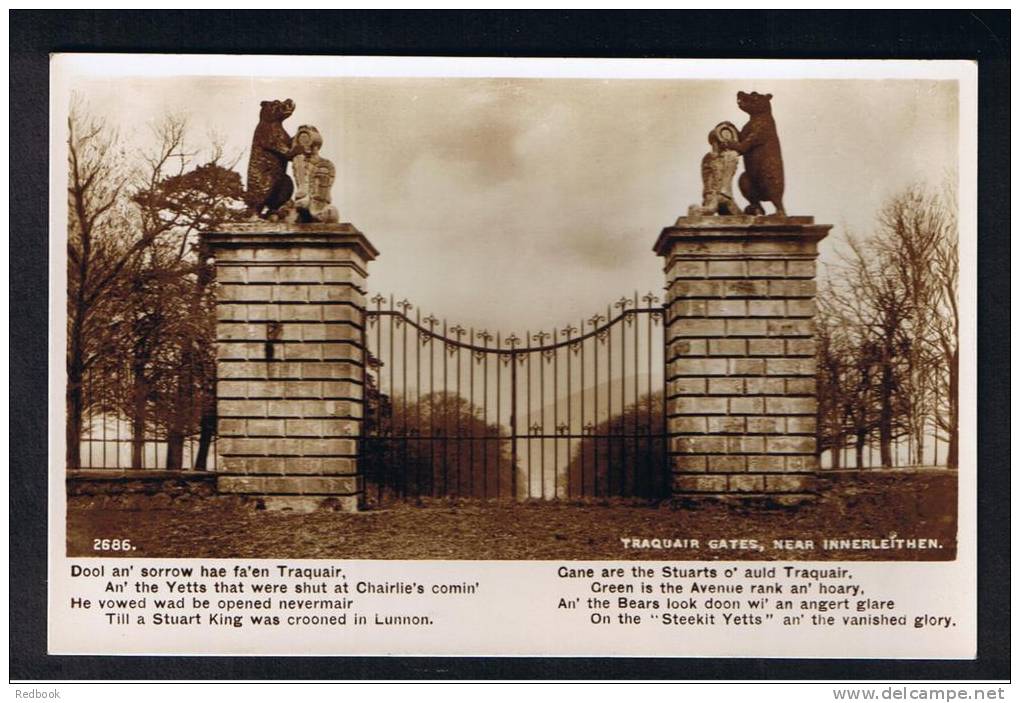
(290, 360)
(740, 355)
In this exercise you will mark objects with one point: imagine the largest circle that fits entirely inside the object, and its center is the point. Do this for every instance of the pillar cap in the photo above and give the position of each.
(283, 234)
(743, 227)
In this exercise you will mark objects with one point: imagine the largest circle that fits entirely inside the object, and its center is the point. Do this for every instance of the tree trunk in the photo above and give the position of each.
(74, 411)
(179, 414)
(174, 450)
(75, 376)
(138, 439)
(187, 396)
(885, 416)
(138, 397)
(953, 458)
(839, 438)
(837, 450)
(206, 432)
(859, 447)
(207, 420)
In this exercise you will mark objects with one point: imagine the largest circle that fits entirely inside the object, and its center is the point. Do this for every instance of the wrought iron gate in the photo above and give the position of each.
(569, 414)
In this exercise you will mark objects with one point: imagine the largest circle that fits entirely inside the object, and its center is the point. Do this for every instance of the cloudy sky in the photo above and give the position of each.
(509, 203)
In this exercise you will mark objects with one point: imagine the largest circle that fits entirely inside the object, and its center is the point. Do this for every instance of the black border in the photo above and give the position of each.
(982, 36)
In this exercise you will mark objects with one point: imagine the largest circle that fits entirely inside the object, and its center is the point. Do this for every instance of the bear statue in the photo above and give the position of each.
(762, 179)
(269, 186)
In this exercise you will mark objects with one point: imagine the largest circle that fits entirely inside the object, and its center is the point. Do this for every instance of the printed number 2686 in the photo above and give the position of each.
(112, 545)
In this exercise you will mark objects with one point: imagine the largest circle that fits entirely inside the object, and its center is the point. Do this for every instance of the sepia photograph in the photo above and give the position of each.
(509, 345)
(557, 317)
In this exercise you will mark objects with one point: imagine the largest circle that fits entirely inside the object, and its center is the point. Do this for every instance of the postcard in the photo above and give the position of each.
(567, 357)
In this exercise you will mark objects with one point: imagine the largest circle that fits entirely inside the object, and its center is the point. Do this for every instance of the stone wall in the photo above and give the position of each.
(740, 354)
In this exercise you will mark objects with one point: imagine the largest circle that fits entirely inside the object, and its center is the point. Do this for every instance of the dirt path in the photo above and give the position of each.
(876, 507)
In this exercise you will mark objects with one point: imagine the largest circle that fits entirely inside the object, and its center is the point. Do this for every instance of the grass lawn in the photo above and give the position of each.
(872, 505)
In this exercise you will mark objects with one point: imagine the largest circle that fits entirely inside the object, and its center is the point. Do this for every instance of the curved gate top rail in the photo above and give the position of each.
(599, 324)
(573, 416)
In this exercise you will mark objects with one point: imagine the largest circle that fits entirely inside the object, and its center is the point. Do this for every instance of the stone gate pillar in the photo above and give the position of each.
(740, 364)
(290, 360)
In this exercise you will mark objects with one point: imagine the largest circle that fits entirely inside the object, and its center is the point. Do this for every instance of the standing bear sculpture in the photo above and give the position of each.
(269, 187)
(762, 179)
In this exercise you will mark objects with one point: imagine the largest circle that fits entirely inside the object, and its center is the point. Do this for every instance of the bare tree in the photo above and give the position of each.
(945, 321)
(863, 406)
(171, 338)
(888, 331)
(835, 359)
(849, 362)
(872, 303)
(98, 249)
(908, 229)
(139, 312)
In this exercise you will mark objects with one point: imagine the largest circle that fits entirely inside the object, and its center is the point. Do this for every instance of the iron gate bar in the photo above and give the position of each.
(417, 405)
(430, 320)
(567, 331)
(556, 442)
(446, 413)
(527, 421)
(513, 415)
(633, 321)
(471, 401)
(404, 415)
(609, 402)
(594, 321)
(499, 424)
(624, 471)
(540, 336)
(651, 300)
(460, 331)
(484, 335)
(581, 329)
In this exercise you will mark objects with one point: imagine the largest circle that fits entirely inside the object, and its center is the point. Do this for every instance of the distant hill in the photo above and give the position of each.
(609, 403)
